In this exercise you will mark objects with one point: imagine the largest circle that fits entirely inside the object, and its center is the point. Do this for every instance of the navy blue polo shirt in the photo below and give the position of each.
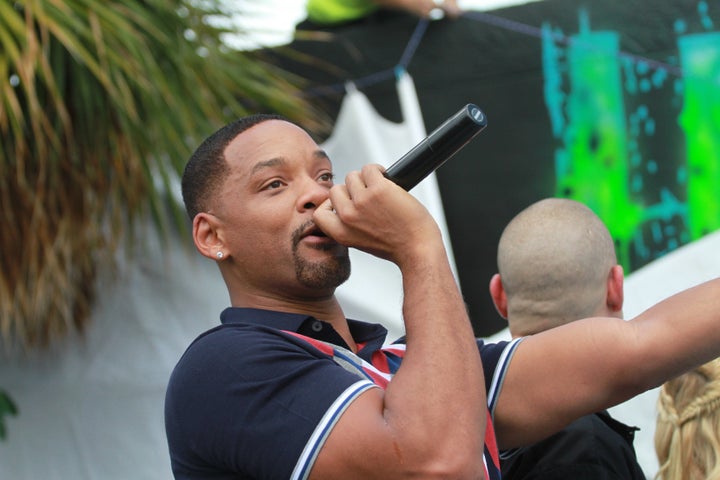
(256, 397)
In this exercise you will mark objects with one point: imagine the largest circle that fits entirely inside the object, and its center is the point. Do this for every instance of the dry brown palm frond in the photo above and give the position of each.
(101, 103)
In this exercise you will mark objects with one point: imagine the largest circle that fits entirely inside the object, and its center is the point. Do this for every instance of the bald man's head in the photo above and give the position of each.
(554, 260)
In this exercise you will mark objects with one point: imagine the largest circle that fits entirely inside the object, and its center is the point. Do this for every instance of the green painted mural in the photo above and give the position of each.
(596, 99)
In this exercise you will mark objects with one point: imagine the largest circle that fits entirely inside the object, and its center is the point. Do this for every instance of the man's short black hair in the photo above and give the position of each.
(207, 168)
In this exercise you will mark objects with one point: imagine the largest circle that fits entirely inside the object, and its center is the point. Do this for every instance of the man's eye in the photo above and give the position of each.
(273, 185)
(327, 177)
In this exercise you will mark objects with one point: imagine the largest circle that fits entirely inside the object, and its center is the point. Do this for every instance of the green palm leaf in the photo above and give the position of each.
(7, 407)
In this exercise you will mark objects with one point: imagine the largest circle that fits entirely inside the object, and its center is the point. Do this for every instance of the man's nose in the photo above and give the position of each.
(313, 195)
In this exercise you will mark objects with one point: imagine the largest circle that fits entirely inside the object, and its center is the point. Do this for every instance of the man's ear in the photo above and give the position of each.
(497, 292)
(615, 295)
(207, 235)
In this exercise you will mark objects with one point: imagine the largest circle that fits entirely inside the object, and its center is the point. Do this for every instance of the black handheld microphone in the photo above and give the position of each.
(444, 142)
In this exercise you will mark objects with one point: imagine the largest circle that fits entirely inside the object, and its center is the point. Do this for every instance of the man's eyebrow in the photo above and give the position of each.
(273, 162)
(322, 155)
(277, 161)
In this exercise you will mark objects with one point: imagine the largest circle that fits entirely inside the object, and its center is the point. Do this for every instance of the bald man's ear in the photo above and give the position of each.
(497, 292)
(615, 295)
(207, 236)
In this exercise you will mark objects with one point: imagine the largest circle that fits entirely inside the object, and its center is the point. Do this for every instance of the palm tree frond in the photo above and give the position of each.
(101, 103)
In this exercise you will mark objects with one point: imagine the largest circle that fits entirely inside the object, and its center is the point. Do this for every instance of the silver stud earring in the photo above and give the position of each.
(219, 255)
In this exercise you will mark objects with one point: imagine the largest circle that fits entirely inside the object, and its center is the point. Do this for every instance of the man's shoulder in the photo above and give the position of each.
(232, 333)
(236, 343)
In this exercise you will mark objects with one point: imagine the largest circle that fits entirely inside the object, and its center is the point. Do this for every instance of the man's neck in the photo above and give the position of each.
(326, 309)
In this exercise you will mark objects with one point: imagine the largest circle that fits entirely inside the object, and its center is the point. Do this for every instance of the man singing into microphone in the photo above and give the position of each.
(287, 387)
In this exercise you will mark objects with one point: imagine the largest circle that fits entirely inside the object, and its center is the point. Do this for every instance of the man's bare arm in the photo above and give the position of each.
(430, 421)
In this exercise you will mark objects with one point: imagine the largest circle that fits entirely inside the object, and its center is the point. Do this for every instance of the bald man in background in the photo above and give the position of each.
(557, 264)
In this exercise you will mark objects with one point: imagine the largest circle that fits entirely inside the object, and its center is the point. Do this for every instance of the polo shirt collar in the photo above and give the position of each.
(368, 334)
(269, 318)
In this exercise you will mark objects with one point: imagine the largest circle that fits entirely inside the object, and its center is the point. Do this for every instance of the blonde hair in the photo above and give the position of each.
(687, 435)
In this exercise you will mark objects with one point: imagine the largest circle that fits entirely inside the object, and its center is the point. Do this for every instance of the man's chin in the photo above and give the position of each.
(329, 274)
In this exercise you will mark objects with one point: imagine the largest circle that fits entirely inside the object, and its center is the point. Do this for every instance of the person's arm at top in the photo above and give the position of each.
(588, 365)
(430, 421)
(422, 8)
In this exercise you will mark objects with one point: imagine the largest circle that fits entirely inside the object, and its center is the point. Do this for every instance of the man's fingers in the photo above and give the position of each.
(325, 215)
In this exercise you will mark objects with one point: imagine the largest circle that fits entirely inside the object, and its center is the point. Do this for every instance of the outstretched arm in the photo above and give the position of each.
(583, 367)
(427, 422)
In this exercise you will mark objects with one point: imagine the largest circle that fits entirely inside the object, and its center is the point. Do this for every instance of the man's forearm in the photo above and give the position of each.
(439, 391)
(679, 333)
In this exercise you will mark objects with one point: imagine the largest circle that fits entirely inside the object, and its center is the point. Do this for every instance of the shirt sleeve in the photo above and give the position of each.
(496, 359)
(238, 391)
